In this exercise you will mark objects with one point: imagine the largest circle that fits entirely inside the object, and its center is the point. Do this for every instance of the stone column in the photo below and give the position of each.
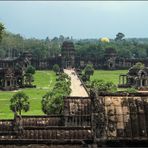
(140, 82)
(10, 82)
(5, 83)
(145, 82)
(123, 79)
(126, 80)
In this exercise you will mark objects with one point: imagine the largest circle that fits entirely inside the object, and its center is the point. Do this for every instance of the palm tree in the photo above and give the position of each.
(19, 102)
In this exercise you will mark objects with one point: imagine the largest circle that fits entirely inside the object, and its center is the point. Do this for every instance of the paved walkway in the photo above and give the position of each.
(76, 86)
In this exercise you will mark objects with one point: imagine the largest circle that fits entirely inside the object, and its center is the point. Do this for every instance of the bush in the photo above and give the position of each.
(85, 78)
(29, 75)
(101, 85)
(131, 90)
(53, 101)
(56, 68)
(30, 70)
(88, 71)
(138, 65)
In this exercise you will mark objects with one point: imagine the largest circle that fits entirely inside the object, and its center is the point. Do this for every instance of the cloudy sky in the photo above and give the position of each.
(80, 19)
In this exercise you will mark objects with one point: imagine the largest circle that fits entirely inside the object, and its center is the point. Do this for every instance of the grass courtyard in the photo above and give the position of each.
(108, 75)
(44, 80)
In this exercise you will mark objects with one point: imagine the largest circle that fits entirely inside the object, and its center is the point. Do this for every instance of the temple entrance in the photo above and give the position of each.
(143, 82)
(110, 65)
(68, 54)
(68, 64)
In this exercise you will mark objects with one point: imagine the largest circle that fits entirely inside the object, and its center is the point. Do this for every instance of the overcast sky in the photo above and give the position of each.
(80, 19)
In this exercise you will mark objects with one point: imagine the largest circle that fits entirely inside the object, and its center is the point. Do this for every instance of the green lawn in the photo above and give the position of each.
(108, 75)
(44, 80)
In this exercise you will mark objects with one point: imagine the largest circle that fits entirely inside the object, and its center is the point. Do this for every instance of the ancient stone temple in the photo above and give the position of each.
(110, 58)
(68, 54)
(70, 58)
(135, 77)
(102, 119)
(12, 71)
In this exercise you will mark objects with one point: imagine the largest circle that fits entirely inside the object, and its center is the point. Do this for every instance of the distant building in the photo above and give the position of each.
(12, 71)
(135, 77)
(68, 54)
(110, 58)
(69, 58)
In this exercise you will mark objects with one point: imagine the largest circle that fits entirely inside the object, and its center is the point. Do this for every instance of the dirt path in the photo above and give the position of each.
(76, 86)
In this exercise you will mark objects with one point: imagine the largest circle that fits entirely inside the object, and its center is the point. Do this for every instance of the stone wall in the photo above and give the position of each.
(119, 63)
(73, 128)
(103, 119)
(122, 116)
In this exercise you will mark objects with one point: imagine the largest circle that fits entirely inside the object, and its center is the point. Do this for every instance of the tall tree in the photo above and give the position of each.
(52, 102)
(119, 36)
(19, 102)
(89, 70)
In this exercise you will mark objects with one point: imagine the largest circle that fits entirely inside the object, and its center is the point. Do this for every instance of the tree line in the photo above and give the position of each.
(12, 45)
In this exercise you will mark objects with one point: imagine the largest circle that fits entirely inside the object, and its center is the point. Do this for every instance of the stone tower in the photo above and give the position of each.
(68, 54)
(110, 58)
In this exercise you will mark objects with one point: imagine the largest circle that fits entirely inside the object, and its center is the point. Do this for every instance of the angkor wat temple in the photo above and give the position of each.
(111, 60)
(68, 57)
(99, 120)
(90, 122)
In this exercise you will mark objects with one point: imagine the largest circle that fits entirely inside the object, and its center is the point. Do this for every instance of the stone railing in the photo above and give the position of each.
(42, 121)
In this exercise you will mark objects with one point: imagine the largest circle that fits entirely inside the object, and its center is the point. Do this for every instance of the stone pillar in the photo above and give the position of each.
(10, 82)
(122, 79)
(140, 82)
(119, 79)
(126, 80)
(5, 83)
(145, 82)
